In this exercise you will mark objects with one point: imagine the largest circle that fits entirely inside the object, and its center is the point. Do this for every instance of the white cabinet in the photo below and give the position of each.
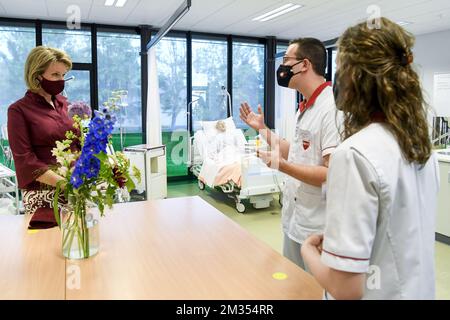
(443, 212)
(151, 162)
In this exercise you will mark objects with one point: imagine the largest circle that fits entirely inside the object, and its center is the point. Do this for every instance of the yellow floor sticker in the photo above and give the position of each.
(280, 276)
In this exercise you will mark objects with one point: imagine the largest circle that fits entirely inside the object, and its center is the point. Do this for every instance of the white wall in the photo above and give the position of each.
(432, 54)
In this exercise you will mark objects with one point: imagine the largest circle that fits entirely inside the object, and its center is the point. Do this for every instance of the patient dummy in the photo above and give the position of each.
(221, 146)
(223, 151)
(221, 126)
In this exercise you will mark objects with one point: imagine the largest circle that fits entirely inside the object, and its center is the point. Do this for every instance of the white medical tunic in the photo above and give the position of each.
(316, 135)
(381, 216)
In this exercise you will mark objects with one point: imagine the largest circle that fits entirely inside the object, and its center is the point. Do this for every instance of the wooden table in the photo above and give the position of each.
(31, 263)
(176, 249)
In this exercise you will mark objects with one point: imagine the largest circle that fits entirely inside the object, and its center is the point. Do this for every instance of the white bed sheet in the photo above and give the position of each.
(217, 150)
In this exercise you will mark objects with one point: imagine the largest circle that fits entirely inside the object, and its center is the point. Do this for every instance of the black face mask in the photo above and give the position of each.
(285, 74)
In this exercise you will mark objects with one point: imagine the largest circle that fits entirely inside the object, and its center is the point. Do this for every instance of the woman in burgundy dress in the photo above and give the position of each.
(36, 122)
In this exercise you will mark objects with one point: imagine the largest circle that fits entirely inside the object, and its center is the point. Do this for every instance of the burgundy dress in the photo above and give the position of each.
(34, 126)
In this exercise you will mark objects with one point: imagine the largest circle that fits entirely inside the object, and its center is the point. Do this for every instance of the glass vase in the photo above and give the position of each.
(80, 231)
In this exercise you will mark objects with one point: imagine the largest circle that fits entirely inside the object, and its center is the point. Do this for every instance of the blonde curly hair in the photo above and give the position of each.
(375, 74)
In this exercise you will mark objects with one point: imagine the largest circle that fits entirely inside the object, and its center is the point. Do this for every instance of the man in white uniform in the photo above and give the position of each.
(316, 136)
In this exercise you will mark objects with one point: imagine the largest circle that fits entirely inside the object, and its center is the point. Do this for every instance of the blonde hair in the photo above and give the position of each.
(38, 60)
(375, 75)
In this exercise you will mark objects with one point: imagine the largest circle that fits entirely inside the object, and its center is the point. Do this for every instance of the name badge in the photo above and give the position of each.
(305, 138)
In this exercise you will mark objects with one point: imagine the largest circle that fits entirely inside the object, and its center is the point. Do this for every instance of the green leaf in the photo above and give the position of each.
(101, 206)
(109, 200)
(130, 185)
(103, 157)
(56, 203)
(136, 173)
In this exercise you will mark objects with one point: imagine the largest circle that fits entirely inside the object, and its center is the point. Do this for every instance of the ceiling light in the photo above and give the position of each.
(120, 3)
(278, 12)
(297, 6)
(273, 11)
(109, 3)
(403, 23)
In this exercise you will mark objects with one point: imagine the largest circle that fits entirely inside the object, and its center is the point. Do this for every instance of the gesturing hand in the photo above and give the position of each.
(270, 158)
(255, 121)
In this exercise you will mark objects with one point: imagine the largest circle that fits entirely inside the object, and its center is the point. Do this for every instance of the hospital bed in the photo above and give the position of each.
(256, 182)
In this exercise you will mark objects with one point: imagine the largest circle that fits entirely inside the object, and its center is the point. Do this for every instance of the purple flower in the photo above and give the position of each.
(81, 109)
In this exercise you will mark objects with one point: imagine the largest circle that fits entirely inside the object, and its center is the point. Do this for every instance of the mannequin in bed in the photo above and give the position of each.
(223, 157)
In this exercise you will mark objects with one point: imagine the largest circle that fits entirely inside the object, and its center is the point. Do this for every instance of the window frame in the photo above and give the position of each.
(145, 32)
(18, 23)
(126, 31)
(207, 37)
(247, 40)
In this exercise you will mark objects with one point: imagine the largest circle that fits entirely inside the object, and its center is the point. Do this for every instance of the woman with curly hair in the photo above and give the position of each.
(383, 179)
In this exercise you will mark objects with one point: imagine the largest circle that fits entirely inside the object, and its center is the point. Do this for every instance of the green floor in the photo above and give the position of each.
(265, 225)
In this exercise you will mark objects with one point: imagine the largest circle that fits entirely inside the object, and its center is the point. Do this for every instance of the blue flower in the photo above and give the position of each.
(109, 127)
(76, 179)
(96, 140)
(98, 117)
(92, 148)
(100, 132)
(94, 168)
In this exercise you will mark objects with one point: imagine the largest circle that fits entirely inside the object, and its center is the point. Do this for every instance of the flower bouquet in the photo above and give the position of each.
(91, 178)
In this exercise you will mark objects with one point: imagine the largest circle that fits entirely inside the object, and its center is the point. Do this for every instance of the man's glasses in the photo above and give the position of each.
(286, 59)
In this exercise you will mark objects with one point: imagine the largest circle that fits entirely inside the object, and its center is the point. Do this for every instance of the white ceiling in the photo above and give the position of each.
(323, 19)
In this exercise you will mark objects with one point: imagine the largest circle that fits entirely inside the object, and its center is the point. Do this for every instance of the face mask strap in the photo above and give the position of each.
(300, 61)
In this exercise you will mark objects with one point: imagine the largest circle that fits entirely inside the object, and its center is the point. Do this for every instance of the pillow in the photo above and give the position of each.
(210, 126)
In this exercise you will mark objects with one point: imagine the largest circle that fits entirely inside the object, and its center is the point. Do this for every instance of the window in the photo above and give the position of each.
(248, 77)
(79, 88)
(77, 43)
(333, 64)
(172, 76)
(15, 45)
(281, 48)
(209, 75)
(119, 68)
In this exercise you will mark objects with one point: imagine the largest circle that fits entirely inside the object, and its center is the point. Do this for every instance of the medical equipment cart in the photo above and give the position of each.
(8, 186)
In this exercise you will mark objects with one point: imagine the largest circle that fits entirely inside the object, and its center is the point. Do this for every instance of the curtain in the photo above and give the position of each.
(285, 109)
(153, 130)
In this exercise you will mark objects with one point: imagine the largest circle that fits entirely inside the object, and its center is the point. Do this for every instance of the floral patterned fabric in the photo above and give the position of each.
(35, 199)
